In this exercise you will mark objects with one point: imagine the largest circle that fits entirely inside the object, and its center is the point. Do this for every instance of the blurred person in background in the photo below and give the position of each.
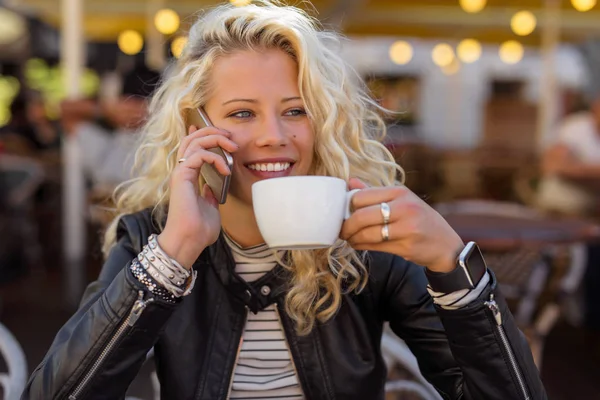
(107, 131)
(571, 186)
(571, 166)
(30, 124)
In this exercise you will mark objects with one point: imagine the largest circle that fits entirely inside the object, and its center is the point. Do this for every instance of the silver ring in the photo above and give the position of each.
(385, 232)
(385, 212)
(181, 160)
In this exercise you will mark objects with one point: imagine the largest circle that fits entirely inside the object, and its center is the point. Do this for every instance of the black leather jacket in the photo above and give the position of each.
(101, 348)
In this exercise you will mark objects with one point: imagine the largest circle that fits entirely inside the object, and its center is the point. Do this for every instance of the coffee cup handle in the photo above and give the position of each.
(348, 206)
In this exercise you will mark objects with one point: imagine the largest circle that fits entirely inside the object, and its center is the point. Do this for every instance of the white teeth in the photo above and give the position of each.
(271, 167)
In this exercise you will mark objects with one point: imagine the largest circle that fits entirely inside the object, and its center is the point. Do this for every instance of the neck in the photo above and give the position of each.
(239, 222)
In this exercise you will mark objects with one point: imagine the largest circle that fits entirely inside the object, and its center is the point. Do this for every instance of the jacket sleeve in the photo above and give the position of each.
(466, 354)
(101, 348)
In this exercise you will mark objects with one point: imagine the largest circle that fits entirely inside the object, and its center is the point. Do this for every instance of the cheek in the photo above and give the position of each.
(305, 141)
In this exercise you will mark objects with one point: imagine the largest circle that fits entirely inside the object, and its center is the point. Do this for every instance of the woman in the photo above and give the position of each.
(224, 318)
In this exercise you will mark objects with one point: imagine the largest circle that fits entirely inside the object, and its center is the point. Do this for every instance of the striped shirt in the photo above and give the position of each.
(264, 368)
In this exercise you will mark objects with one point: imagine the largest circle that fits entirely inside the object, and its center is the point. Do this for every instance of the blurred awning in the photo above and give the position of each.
(104, 19)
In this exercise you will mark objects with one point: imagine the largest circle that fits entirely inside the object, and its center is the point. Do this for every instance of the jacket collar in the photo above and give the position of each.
(255, 295)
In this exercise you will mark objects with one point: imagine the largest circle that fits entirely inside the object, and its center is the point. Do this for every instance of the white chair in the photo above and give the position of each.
(397, 354)
(12, 382)
(153, 379)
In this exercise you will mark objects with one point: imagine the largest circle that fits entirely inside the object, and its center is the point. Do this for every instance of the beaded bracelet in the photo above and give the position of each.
(139, 272)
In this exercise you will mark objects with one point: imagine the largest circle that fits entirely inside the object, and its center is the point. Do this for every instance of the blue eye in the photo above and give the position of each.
(241, 114)
(296, 112)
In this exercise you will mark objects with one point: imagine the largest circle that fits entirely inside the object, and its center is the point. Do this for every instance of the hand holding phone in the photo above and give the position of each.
(218, 183)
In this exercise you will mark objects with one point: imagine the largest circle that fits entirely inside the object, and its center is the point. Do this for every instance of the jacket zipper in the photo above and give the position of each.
(288, 346)
(237, 355)
(493, 306)
(136, 310)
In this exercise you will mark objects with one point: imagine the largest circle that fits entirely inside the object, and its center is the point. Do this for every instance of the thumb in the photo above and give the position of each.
(356, 183)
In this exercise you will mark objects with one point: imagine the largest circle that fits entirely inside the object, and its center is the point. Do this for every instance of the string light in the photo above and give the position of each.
(511, 52)
(523, 23)
(442, 55)
(12, 26)
(469, 50)
(401, 52)
(240, 3)
(130, 42)
(177, 45)
(472, 6)
(583, 5)
(452, 68)
(166, 21)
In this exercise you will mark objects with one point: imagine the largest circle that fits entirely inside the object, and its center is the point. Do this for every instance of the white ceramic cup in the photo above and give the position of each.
(301, 212)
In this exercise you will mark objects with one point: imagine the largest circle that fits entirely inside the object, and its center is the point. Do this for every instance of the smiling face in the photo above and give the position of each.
(255, 96)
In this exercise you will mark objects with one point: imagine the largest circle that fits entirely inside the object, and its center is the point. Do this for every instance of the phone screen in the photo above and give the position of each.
(218, 183)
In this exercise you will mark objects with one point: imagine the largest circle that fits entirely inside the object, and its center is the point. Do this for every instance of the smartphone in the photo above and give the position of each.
(218, 183)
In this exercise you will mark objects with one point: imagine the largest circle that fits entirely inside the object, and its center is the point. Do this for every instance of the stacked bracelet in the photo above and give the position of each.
(140, 273)
(168, 273)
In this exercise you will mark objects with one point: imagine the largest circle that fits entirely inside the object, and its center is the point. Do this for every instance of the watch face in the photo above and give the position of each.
(473, 263)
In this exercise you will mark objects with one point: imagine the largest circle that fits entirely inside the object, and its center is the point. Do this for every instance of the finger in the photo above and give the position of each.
(209, 196)
(369, 216)
(197, 160)
(371, 196)
(356, 183)
(209, 130)
(208, 142)
(374, 234)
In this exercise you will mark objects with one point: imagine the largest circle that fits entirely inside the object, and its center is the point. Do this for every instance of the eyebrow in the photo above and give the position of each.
(285, 100)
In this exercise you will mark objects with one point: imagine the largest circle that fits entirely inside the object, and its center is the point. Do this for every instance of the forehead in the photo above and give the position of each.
(251, 73)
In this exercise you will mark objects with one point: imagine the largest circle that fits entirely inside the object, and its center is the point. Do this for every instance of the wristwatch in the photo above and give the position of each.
(470, 268)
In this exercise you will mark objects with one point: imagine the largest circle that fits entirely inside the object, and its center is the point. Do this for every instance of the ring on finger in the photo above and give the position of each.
(385, 212)
(181, 160)
(385, 232)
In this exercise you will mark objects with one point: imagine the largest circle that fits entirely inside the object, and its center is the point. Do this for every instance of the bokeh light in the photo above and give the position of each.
(240, 3)
(442, 55)
(130, 42)
(49, 81)
(469, 50)
(511, 52)
(472, 6)
(452, 68)
(166, 21)
(12, 26)
(177, 45)
(523, 23)
(583, 5)
(4, 114)
(401, 52)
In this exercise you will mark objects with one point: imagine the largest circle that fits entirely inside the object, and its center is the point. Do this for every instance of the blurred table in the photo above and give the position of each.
(524, 248)
(503, 233)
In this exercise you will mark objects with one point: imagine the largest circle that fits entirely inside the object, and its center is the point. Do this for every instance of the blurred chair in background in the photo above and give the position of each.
(20, 179)
(13, 381)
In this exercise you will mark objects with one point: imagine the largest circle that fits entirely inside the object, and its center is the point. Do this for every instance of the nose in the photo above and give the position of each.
(271, 133)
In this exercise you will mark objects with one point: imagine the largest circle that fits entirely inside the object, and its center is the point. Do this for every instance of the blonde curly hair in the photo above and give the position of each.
(346, 121)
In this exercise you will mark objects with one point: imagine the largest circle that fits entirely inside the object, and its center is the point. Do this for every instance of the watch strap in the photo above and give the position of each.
(466, 275)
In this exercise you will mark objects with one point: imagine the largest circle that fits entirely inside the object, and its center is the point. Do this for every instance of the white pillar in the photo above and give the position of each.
(548, 85)
(74, 224)
(155, 52)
